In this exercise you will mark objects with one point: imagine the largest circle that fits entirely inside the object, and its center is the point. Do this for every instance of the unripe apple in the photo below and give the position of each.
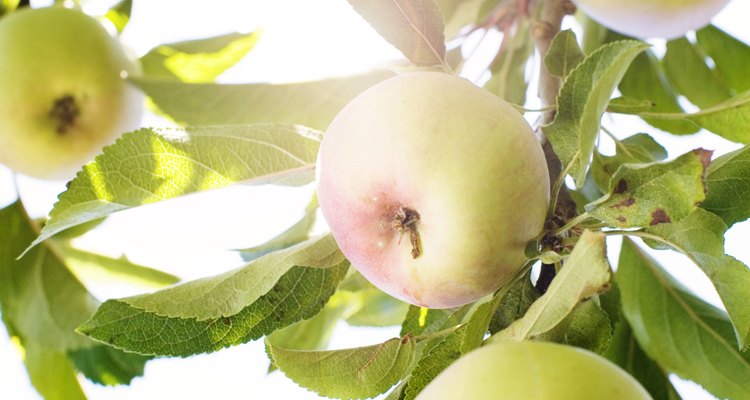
(645, 19)
(62, 92)
(533, 370)
(432, 187)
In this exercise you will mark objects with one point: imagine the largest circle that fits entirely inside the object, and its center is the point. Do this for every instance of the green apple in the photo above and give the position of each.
(62, 92)
(533, 371)
(432, 187)
(645, 19)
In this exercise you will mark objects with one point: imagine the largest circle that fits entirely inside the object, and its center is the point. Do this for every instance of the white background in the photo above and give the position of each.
(302, 39)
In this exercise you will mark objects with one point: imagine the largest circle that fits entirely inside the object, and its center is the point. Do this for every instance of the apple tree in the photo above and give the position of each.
(479, 216)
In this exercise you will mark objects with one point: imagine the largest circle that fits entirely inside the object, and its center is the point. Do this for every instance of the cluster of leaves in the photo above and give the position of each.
(294, 288)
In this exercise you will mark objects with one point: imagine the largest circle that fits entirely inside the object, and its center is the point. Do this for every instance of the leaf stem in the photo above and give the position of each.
(572, 223)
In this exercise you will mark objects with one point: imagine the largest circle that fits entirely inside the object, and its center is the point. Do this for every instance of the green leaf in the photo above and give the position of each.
(587, 326)
(625, 351)
(312, 104)
(649, 194)
(564, 54)
(356, 373)
(208, 314)
(108, 366)
(509, 80)
(585, 274)
(198, 61)
(86, 265)
(42, 303)
(683, 336)
(583, 99)
(296, 233)
(728, 183)
(521, 294)
(119, 14)
(458, 342)
(729, 119)
(421, 321)
(637, 149)
(148, 166)
(645, 80)
(685, 66)
(628, 105)
(52, 374)
(377, 309)
(415, 27)
(730, 55)
(700, 236)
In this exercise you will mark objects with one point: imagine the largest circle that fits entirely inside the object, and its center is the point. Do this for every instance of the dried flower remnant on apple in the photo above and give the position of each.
(419, 156)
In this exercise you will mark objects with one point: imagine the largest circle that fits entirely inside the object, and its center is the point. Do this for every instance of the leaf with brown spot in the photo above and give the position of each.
(644, 194)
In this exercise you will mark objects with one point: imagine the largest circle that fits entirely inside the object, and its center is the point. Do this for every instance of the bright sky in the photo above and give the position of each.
(301, 40)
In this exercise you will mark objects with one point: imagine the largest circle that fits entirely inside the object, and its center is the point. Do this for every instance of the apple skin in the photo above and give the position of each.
(460, 157)
(61, 56)
(533, 370)
(645, 19)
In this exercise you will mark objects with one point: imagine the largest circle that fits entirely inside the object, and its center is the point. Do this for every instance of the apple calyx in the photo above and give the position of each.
(405, 220)
(65, 113)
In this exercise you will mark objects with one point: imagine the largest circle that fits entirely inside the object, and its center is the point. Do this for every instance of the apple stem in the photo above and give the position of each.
(406, 220)
(65, 112)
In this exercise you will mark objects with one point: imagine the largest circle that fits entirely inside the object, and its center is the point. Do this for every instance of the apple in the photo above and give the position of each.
(62, 92)
(645, 19)
(533, 370)
(432, 187)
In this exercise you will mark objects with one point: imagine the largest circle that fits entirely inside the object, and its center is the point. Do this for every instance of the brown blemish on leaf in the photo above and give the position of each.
(659, 216)
(622, 187)
(622, 219)
(625, 203)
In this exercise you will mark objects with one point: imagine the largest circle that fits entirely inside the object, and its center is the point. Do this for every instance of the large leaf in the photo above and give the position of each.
(645, 80)
(728, 183)
(650, 194)
(312, 104)
(148, 166)
(41, 304)
(685, 66)
(583, 99)
(729, 119)
(700, 236)
(682, 335)
(730, 55)
(415, 27)
(199, 60)
(208, 314)
(585, 274)
(356, 373)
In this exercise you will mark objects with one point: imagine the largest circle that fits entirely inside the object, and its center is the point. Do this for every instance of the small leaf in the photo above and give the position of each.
(691, 339)
(685, 66)
(296, 233)
(564, 54)
(119, 14)
(357, 373)
(585, 274)
(583, 99)
(649, 194)
(197, 61)
(730, 55)
(700, 236)
(208, 314)
(148, 166)
(415, 27)
(312, 104)
(728, 183)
